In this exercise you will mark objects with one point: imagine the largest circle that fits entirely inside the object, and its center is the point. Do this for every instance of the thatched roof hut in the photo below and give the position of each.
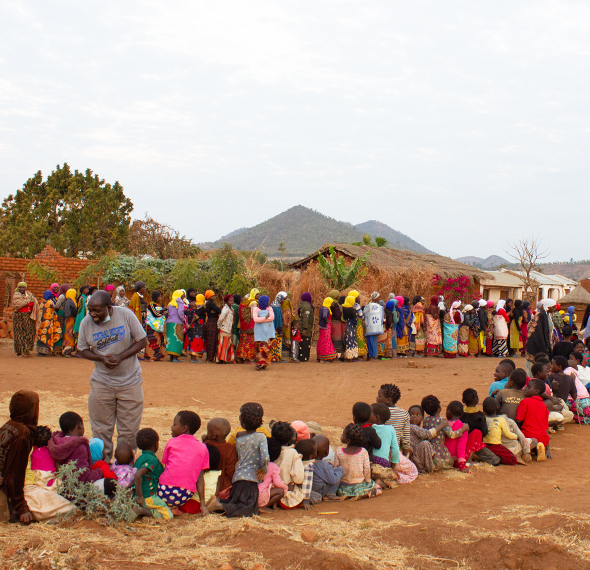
(579, 298)
(381, 258)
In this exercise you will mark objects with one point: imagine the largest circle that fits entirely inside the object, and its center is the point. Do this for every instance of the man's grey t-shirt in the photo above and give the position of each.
(113, 337)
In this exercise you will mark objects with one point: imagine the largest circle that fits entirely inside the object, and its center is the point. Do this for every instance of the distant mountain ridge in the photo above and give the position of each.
(303, 231)
(491, 262)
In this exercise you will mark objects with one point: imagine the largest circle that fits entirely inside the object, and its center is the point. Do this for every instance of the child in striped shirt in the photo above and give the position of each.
(389, 394)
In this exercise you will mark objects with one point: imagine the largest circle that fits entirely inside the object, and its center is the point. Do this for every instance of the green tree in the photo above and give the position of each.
(381, 242)
(339, 275)
(225, 265)
(76, 213)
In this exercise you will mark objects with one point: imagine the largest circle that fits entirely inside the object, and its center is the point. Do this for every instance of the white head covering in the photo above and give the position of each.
(500, 304)
(441, 306)
(483, 303)
(467, 308)
(547, 303)
(374, 295)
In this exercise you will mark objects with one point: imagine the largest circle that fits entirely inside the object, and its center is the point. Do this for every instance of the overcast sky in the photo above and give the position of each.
(462, 124)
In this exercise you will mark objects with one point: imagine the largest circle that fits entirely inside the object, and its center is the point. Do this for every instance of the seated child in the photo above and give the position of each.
(217, 431)
(476, 420)
(211, 476)
(16, 442)
(520, 447)
(123, 467)
(272, 489)
(501, 375)
(356, 481)
(70, 445)
(253, 460)
(361, 416)
(464, 447)
(559, 413)
(497, 427)
(442, 458)
(295, 340)
(290, 464)
(309, 451)
(148, 473)
(326, 477)
(532, 416)
(184, 460)
(40, 482)
(301, 430)
(385, 458)
(422, 450)
(511, 395)
(562, 385)
(581, 407)
(389, 394)
(98, 458)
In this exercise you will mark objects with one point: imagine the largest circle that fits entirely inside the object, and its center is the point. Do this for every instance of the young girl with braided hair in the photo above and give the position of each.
(356, 481)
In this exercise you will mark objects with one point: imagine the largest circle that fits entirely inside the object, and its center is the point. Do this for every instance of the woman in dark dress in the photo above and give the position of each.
(211, 332)
(351, 347)
(338, 325)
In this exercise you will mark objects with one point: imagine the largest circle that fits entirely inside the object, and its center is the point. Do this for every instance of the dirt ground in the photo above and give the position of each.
(533, 517)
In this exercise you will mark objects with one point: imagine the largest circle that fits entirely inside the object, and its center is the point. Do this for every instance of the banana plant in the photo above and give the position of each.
(339, 275)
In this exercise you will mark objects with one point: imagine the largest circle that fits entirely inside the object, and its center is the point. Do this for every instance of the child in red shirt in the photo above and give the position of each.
(295, 340)
(532, 417)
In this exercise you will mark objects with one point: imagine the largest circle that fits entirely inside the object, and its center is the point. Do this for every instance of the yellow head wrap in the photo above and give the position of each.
(200, 300)
(353, 294)
(253, 294)
(175, 296)
(328, 303)
(349, 302)
(71, 294)
(21, 284)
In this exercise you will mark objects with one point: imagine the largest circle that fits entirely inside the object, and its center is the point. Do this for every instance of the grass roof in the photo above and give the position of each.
(577, 296)
(398, 260)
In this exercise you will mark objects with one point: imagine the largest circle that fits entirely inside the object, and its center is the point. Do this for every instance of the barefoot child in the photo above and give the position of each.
(497, 427)
(252, 450)
(356, 481)
(532, 416)
(326, 477)
(184, 460)
(148, 473)
(272, 489)
(385, 457)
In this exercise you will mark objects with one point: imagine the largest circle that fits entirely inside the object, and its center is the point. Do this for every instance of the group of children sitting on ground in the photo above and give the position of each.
(252, 469)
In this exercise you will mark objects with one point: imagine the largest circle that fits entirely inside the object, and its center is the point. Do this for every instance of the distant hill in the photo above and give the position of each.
(576, 270)
(304, 231)
(396, 239)
(491, 262)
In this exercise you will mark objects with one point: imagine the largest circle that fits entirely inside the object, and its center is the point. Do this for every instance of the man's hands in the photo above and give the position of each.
(111, 360)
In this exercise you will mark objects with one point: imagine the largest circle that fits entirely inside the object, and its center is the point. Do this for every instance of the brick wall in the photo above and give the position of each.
(13, 270)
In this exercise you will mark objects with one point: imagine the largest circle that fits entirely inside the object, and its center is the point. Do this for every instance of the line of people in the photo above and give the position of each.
(252, 328)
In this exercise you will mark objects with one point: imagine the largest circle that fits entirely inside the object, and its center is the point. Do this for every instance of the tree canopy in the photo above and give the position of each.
(78, 214)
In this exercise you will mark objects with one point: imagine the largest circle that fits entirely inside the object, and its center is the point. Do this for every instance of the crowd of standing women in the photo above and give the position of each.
(252, 328)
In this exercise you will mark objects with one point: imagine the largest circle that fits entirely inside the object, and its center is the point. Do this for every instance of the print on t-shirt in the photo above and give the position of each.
(106, 338)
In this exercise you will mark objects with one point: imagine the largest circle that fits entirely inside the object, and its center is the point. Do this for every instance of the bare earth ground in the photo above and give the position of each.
(505, 517)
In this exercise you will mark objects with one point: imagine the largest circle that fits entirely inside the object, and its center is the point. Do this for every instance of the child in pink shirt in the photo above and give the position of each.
(184, 460)
(463, 447)
(272, 489)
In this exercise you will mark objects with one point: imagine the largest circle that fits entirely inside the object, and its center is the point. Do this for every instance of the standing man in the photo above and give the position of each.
(539, 333)
(112, 337)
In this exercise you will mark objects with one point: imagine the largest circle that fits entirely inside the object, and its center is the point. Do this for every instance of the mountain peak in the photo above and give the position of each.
(303, 231)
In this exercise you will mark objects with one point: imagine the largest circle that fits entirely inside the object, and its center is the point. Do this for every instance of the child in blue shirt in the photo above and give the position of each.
(385, 458)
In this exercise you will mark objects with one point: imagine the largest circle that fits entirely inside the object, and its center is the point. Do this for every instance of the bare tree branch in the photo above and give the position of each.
(527, 253)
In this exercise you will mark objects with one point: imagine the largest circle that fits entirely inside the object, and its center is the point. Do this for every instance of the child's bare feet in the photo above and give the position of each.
(331, 498)
(541, 455)
(527, 457)
(176, 512)
(214, 505)
(520, 460)
(265, 510)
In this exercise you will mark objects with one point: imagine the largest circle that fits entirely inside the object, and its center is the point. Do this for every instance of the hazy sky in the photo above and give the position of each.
(462, 124)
